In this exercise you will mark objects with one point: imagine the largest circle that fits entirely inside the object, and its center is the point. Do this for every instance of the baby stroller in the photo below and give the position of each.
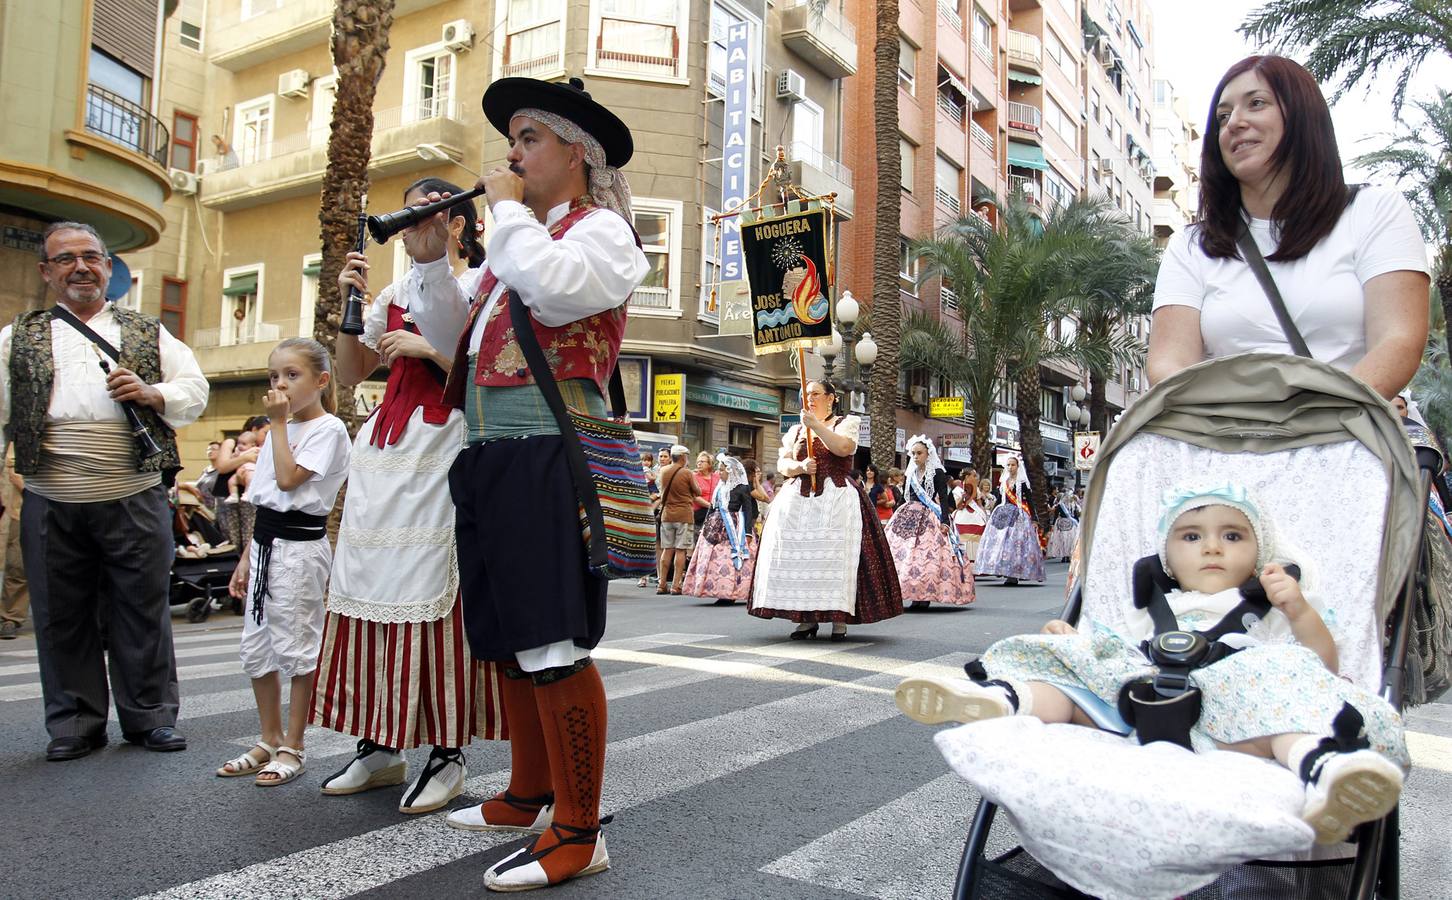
(1307, 439)
(204, 562)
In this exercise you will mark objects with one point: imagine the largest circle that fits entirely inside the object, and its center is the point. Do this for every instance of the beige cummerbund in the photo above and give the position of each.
(88, 462)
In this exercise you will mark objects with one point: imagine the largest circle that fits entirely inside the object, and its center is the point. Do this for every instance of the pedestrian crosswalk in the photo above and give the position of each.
(816, 704)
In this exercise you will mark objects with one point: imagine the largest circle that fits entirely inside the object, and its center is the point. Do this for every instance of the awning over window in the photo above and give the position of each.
(1024, 77)
(313, 269)
(1026, 156)
(241, 284)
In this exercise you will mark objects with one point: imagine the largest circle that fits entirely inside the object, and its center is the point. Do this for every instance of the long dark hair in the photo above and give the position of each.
(1316, 191)
(473, 250)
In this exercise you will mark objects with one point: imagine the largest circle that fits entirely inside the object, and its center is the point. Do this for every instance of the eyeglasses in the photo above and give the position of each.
(818, 394)
(67, 260)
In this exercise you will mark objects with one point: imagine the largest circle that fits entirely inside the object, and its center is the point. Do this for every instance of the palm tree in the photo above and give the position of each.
(1117, 290)
(360, 48)
(1423, 157)
(1354, 40)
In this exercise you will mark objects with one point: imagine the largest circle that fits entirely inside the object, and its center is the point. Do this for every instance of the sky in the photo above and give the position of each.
(1195, 42)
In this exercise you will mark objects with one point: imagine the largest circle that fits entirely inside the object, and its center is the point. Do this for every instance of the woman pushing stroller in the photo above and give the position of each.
(1267, 686)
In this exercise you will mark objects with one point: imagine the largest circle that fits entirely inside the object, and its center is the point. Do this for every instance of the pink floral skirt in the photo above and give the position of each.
(927, 568)
(712, 572)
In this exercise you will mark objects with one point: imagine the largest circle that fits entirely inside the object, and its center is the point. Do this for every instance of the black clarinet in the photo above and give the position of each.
(145, 444)
(353, 307)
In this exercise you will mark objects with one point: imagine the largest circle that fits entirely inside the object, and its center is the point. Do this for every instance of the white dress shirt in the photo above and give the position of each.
(593, 267)
(79, 392)
(435, 299)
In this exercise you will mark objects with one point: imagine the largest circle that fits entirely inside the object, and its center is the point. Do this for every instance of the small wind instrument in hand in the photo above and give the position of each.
(145, 444)
(353, 307)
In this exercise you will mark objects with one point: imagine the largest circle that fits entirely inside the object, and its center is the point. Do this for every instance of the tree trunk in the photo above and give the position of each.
(1026, 379)
(1098, 403)
(886, 315)
(982, 447)
(1444, 292)
(360, 48)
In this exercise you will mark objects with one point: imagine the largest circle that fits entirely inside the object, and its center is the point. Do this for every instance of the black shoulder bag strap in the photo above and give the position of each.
(585, 491)
(1257, 265)
(68, 317)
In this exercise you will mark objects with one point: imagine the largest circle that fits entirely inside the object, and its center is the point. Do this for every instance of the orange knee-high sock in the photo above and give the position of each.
(572, 711)
(529, 772)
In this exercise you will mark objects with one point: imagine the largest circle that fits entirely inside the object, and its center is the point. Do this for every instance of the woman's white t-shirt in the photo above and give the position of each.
(322, 447)
(1322, 290)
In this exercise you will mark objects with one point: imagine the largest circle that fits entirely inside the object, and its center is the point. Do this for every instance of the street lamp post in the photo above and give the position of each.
(858, 352)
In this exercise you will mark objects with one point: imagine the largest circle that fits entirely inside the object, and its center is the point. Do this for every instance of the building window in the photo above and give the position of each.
(242, 307)
(907, 64)
(308, 301)
(982, 33)
(320, 119)
(534, 32)
(907, 263)
(906, 156)
(174, 306)
(723, 16)
(742, 440)
(428, 84)
(1062, 125)
(1093, 105)
(252, 8)
(1054, 49)
(190, 36)
(252, 140)
(183, 141)
(639, 37)
(1057, 191)
(658, 222)
(710, 266)
(807, 133)
(696, 433)
(948, 184)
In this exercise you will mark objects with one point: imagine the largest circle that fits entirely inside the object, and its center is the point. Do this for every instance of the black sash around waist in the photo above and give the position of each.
(271, 526)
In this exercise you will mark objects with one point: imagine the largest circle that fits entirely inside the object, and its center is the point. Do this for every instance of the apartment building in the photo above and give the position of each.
(247, 89)
(1118, 104)
(1176, 161)
(83, 137)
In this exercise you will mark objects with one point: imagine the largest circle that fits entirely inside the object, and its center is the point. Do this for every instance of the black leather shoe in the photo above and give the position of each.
(162, 740)
(63, 748)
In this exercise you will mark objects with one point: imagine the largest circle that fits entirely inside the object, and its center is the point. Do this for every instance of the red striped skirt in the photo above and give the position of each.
(404, 684)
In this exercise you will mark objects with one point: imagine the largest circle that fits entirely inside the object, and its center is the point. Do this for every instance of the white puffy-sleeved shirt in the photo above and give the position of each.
(79, 392)
(847, 426)
(1323, 290)
(321, 446)
(593, 267)
(437, 301)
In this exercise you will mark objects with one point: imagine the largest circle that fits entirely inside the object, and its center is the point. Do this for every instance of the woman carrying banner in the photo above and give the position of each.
(823, 555)
(931, 563)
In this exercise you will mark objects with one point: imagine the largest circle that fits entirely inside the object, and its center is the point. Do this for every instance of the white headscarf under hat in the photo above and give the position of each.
(607, 187)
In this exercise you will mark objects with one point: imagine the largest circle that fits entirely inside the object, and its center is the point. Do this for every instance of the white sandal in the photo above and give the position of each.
(284, 771)
(246, 764)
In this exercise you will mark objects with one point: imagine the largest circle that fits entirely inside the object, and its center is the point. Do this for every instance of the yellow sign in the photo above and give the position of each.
(946, 407)
(670, 398)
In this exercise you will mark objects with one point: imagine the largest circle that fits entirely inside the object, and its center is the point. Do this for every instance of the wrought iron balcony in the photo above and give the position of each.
(123, 122)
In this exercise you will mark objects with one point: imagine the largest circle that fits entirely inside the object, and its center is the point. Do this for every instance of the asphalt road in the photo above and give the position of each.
(740, 765)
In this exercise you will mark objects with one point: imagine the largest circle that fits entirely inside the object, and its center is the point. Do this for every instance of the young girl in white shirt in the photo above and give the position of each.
(284, 576)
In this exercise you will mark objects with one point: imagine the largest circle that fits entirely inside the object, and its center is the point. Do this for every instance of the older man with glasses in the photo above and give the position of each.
(95, 525)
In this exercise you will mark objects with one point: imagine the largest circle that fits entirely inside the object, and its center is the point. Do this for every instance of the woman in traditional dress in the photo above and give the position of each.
(395, 669)
(1065, 531)
(823, 555)
(970, 518)
(725, 554)
(931, 564)
(1010, 547)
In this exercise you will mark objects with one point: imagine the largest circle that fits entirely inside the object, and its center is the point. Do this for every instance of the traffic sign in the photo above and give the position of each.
(946, 407)
(669, 398)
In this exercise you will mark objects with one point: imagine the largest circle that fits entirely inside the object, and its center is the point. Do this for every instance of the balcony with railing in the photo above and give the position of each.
(948, 200)
(981, 136)
(827, 41)
(948, 9)
(948, 299)
(292, 166)
(120, 121)
(1025, 50)
(242, 36)
(242, 350)
(1025, 117)
(951, 107)
(1026, 187)
(817, 173)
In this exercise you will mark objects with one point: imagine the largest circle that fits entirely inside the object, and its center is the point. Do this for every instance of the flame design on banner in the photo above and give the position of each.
(807, 299)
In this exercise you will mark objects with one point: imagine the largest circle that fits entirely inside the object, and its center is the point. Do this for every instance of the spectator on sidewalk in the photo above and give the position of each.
(15, 598)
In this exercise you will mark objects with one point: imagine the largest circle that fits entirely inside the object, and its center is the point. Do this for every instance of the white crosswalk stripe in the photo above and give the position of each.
(639, 770)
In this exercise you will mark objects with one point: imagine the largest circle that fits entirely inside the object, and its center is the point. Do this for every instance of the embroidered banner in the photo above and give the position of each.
(786, 263)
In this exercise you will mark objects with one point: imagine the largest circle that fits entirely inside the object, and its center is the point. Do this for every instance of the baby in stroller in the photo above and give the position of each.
(1225, 651)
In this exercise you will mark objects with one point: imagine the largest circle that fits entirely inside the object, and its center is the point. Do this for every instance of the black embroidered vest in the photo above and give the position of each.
(32, 376)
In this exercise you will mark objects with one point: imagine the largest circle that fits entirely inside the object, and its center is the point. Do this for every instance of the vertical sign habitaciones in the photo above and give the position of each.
(735, 144)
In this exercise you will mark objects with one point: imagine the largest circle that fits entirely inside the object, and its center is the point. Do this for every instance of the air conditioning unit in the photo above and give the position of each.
(458, 35)
(1104, 52)
(1105, 167)
(293, 83)
(183, 182)
(791, 86)
(919, 395)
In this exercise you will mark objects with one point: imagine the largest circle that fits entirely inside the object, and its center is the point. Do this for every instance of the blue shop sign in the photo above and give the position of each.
(717, 393)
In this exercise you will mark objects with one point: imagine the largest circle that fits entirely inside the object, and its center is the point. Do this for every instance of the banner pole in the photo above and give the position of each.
(802, 372)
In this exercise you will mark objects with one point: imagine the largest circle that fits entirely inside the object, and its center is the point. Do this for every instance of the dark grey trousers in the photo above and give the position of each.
(95, 563)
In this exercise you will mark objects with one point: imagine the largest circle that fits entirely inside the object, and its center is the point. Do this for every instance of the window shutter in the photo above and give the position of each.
(126, 30)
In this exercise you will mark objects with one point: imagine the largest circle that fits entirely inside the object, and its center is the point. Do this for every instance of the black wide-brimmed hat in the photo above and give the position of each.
(507, 96)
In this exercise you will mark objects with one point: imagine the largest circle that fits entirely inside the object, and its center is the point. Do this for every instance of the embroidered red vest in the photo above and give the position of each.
(586, 348)
(412, 383)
